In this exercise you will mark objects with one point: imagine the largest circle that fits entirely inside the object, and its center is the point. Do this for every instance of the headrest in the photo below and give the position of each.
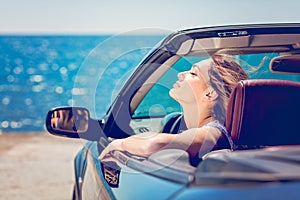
(264, 113)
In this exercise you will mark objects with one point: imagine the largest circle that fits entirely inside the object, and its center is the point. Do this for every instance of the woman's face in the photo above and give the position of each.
(191, 84)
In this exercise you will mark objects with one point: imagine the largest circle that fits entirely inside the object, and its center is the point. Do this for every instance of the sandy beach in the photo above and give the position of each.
(37, 166)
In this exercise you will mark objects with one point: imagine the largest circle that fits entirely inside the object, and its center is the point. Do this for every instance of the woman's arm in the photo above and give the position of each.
(143, 144)
(192, 140)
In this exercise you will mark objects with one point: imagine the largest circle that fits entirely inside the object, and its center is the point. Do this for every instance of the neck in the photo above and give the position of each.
(196, 116)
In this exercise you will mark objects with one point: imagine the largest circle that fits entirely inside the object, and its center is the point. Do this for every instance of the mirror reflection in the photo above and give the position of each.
(286, 64)
(70, 119)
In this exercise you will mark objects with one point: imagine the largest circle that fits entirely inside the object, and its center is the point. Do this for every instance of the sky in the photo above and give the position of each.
(119, 16)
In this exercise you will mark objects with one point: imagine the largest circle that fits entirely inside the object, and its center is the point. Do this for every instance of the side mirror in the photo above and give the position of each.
(68, 121)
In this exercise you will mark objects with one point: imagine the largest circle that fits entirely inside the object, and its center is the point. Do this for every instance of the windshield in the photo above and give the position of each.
(158, 103)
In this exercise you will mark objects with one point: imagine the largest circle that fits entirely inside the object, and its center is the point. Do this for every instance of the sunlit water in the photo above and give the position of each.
(38, 73)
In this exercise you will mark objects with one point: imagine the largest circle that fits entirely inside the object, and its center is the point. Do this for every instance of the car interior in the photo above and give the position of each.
(262, 111)
(259, 50)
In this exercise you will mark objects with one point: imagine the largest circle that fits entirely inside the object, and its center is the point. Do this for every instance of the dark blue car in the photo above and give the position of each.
(262, 119)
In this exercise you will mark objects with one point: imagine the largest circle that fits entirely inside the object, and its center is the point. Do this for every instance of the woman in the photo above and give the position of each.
(203, 93)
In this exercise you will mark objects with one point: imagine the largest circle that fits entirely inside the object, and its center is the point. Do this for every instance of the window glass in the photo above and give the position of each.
(257, 66)
(158, 102)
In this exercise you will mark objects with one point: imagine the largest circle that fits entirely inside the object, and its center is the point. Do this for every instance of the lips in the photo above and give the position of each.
(176, 85)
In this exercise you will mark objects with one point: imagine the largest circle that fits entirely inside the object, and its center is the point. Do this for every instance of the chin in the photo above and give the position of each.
(172, 94)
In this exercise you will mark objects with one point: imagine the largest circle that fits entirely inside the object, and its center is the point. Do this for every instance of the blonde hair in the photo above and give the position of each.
(224, 73)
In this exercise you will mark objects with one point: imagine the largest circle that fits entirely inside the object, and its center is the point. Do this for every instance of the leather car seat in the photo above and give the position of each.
(264, 113)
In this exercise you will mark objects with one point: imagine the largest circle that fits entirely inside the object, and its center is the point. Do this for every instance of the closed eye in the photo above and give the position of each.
(193, 74)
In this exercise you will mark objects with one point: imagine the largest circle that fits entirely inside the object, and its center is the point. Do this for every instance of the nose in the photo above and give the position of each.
(181, 75)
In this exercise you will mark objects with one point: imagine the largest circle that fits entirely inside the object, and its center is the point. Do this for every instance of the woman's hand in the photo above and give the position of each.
(114, 145)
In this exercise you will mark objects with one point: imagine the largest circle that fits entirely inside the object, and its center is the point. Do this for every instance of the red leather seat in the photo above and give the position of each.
(264, 113)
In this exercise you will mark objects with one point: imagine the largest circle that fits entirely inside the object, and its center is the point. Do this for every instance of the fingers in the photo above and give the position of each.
(114, 145)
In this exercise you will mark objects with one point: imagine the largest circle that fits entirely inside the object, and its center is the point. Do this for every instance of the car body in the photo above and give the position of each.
(262, 167)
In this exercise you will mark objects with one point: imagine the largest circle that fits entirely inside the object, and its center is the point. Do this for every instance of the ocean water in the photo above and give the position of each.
(40, 72)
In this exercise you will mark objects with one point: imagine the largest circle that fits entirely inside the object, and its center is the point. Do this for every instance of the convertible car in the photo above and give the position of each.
(262, 119)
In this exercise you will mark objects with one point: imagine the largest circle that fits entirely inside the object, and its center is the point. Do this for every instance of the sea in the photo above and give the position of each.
(41, 72)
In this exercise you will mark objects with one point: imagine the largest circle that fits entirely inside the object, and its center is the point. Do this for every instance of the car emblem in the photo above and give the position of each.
(111, 172)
